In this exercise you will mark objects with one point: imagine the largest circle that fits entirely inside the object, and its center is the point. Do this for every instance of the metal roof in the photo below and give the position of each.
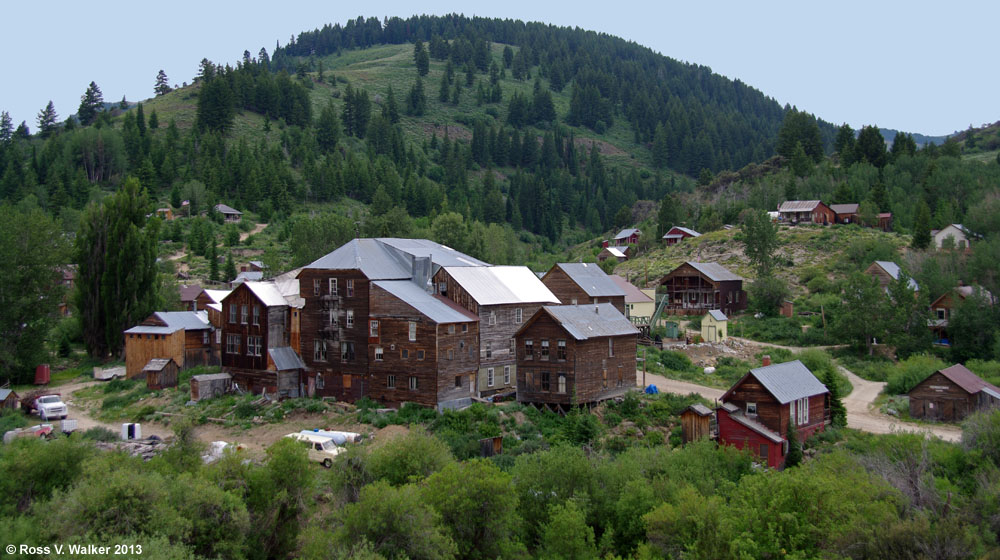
(626, 233)
(288, 286)
(714, 271)
(617, 252)
(496, 285)
(388, 258)
(212, 376)
(441, 255)
(845, 208)
(4, 393)
(285, 358)
(267, 293)
(967, 380)
(583, 322)
(787, 381)
(755, 426)
(718, 315)
(632, 293)
(218, 295)
(226, 209)
(592, 279)
(249, 276)
(690, 232)
(174, 321)
(190, 293)
(699, 409)
(436, 308)
(157, 364)
(798, 205)
(892, 269)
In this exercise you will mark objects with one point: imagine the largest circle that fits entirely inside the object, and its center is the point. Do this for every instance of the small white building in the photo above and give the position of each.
(957, 232)
(713, 326)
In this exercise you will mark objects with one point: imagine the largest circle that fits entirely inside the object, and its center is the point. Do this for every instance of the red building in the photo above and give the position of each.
(757, 410)
(628, 236)
(678, 234)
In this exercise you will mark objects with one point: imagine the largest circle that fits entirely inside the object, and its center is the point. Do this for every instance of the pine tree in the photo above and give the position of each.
(6, 127)
(844, 144)
(922, 227)
(213, 264)
(162, 86)
(328, 128)
(838, 413)
(154, 121)
(661, 147)
(794, 456)
(390, 111)
(421, 58)
(230, 270)
(416, 102)
(91, 103)
(47, 120)
(445, 88)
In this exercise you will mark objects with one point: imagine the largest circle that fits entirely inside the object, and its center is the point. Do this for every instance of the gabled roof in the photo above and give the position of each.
(632, 293)
(440, 255)
(287, 285)
(786, 382)
(496, 285)
(591, 279)
(388, 258)
(799, 205)
(617, 252)
(627, 233)
(436, 308)
(157, 364)
(845, 208)
(737, 416)
(4, 393)
(584, 322)
(714, 271)
(267, 293)
(964, 292)
(173, 321)
(968, 381)
(190, 293)
(285, 358)
(249, 276)
(225, 209)
(718, 315)
(699, 409)
(690, 232)
(892, 269)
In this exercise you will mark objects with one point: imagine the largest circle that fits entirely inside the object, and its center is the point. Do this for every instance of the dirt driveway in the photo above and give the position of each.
(84, 421)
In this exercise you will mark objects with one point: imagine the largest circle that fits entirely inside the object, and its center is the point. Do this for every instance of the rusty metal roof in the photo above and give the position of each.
(967, 380)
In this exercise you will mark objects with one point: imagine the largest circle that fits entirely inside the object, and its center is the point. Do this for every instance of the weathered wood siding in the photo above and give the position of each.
(567, 291)
(243, 298)
(940, 398)
(140, 348)
(167, 377)
(692, 293)
(774, 415)
(695, 426)
(879, 274)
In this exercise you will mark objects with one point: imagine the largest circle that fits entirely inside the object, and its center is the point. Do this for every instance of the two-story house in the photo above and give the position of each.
(581, 283)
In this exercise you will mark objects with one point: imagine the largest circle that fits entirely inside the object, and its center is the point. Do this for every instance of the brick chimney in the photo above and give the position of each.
(766, 361)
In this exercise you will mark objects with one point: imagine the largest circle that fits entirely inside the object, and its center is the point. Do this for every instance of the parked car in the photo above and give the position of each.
(321, 449)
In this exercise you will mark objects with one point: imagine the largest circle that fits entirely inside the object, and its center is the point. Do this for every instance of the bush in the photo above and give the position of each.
(911, 371)
(11, 419)
(100, 433)
(675, 361)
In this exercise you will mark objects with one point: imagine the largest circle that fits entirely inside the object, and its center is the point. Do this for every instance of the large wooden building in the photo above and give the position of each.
(758, 409)
(184, 336)
(951, 394)
(694, 288)
(504, 298)
(572, 355)
(338, 301)
(582, 283)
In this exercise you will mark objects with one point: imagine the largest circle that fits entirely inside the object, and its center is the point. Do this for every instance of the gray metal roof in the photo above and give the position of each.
(212, 376)
(714, 271)
(249, 276)
(174, 321)
(285, 358)
(592, 279)
(626, 233)
(788, 381)
(688, 231)
(591, 321)
(441, 255)
(496, 285)
(436, 308)
(699, 409)
(632, 293)
(4, 393)
(226, 209)
(157, 364)
(798, 205)
(267, 293)
(616, 251)
(390, 258)
(845, 208)
(892, 269)
(718, 315)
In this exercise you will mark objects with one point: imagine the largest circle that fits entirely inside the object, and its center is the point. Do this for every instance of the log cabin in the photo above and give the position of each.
(678, 234)
(806, 212)
(757, 410)
(503, 297)
(184, 336)
(572, 355)
(582, 283)
(951, 394)
(337, 295)
(695, 288)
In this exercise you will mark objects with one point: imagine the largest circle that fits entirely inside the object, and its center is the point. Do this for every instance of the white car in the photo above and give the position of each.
(321, 449)
(51, 406)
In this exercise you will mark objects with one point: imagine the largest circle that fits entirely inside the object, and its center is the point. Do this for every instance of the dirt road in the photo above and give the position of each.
(256, 229)
(84, 421)
(679, 387)
(794, 349)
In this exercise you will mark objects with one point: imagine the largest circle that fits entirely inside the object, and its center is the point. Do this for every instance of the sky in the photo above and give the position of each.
(915, 66)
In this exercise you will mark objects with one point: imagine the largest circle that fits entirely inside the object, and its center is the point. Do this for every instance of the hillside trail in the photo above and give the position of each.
(795, 349)
(256, 229)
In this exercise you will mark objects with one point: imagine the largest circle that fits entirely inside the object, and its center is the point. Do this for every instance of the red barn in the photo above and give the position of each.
(678, 234)
(757, 410)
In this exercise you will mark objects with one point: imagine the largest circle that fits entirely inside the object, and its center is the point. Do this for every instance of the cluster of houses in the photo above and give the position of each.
(816, 212)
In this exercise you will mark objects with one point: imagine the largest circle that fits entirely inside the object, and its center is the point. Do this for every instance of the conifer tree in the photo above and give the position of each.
(922, 227)
(421, 58)
(838, 413)
(416, 102)
(230, 270)
(6, 127)
(47, 120)
(794, 456)
(91, 103)
(328, 128)
(162, 86)
(213, 262)
(391, 110)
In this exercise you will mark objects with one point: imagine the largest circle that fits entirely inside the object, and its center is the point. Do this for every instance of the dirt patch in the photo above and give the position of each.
(454, 132)
(603, 148)
(707, 354)
(256, 229)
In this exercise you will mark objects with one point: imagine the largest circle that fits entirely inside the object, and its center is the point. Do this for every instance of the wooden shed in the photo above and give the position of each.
(8, 399)
(713, 326)
(696, 422)
(210, 385)
(160, 373)
(951, 394)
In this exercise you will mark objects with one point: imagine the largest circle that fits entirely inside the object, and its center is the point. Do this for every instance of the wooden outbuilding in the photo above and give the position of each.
(184, 336)
(845, 213)
(713, 326)
(583, 283)
(696, 423)
(210, 385)
(165, 213)
(229, 214)
(694, 288)
(620, 254)
(160, 373)
(951, 394)
(8, 399)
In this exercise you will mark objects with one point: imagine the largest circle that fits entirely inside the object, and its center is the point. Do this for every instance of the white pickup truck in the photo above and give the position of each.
(50, 407)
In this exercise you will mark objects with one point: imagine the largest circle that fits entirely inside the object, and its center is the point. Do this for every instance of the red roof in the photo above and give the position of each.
(967, 380)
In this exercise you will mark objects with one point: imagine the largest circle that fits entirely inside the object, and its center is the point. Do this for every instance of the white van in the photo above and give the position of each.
(321, 449)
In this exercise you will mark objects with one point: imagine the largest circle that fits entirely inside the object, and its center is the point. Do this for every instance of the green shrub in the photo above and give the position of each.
(911, 371)
(245, 409)
(11, 419)
(675, 361)
(100, 433)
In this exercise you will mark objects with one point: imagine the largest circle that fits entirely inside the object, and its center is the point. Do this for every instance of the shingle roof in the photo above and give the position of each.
(632, 293)
(967, 380)
(714, 271)
(285, 358)
(626, 233)
(436, 308)
(390, 258)
(786, 382)
(892, 269)
(225, 209)
(798, 205)
(844, 208)
(583, 322)
(592, 279)
(495, 285)
(718, 315)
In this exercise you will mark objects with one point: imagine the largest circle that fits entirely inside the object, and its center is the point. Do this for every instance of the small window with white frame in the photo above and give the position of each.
(350, 318)
(518, 316)
(413, 331)
(751, 408)
(545, 350)
(378, 354)
(390, 381)
(350, 288)
(413, 383)
(373, 328)
(506, 375)
(333, 286)
(489, 377)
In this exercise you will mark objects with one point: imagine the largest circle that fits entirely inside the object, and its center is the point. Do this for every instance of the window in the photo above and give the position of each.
(611, 347)
(347, 351)
(506, 375)
(378, 354)
(373, 329)
(443, 288)
(764, 451)
(465, 327)
(204, 338)
(545, 381)
(489, 350)
(493, 318)
(390, 381)
(562, 384)
(751, 408)
(413, 331)
(561, 350)
(319, 381)
(545, 350)
(404, 353)
(253, 345)
(218, 336)
(350, 318)
(333, 317)
(451, 353)
(511, 348)
(319, 350)
(256, 315)
(243, 314)
(315, 286)
(232, 313)
(489, 377)
(518, 315)
(333, 286)
(232, 344)
(458, 381)
(451, 328)
(572, 301)
(940, 313)
(420, 354)
(413, 383)
(350, 288)
(529, 349)
(798, 411)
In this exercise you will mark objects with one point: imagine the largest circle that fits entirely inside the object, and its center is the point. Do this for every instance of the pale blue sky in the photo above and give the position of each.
(927, 67)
